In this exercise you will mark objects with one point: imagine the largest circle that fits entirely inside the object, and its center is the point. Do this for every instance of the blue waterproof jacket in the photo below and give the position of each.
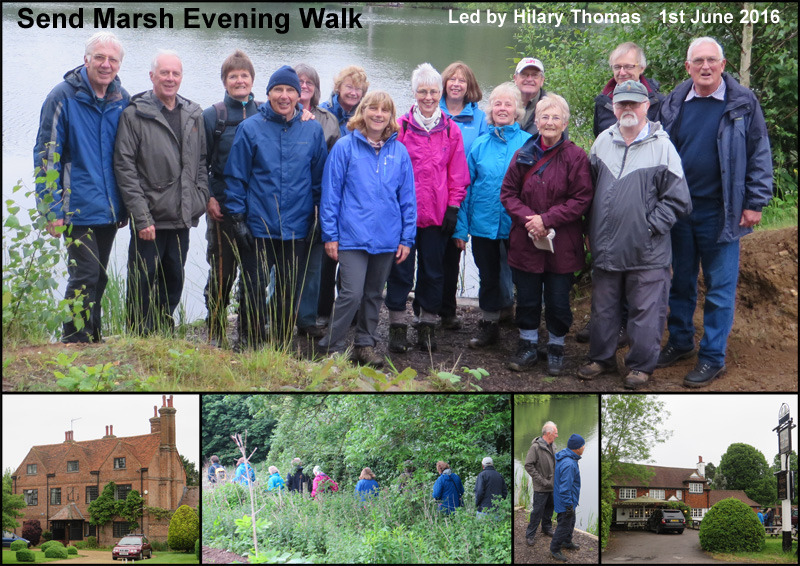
(341, 115)
(471, 121)
(274, 173)
(482, 214)
(567, 481)
(448, 491)
(366, 488)
(275, 482)
(244, 474)
(368, 199)
(82, 130)
(745, 158)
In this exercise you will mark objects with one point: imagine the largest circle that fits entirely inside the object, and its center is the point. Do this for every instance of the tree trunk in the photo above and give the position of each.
(747, 46)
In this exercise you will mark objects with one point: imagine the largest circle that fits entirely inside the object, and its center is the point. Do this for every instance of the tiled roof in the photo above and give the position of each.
(663, 477)
(717, 495)
(68, 513)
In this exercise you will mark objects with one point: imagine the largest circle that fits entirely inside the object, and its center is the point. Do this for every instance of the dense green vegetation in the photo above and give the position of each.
(345, 433)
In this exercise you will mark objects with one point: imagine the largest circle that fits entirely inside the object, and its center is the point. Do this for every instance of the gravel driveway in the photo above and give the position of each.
(645, 547)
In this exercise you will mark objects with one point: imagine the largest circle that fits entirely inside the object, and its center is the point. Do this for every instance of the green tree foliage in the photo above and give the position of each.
(224, 415)
(32, 530)
(192, 475)
(731, 526)
(744, 467)
(103, 509)
(184, 529)
(711, 472)
(12, 503)
(776, 466)
(132, 509)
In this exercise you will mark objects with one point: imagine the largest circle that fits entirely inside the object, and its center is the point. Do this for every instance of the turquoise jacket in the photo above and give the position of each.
(471, 121)
(275, 482)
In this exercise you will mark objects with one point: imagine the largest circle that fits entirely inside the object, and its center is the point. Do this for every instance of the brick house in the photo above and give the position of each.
(59, 481)
(635, 500)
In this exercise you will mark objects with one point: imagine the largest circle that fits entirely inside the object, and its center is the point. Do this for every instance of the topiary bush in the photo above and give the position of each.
(72, 550)
(50, 544)
(18, 545)
(731, 526)
(32, 530)
(184, 529)
(25, 555)
(56, 552)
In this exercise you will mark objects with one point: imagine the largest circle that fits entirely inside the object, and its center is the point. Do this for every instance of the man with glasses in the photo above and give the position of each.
(529, 78)
(718, 128)
(79, 122)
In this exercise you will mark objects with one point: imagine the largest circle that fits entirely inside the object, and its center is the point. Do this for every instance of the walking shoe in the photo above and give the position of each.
(525, 357)
(530, 541)
(670, 354)
(548, 532)
(488, 335)
(426, 336)
(703, 374)
(635, 379)
(398, 342)
(593, 369)
(583, 334)
(367, 356)
(555, 359)
(558, 556)
(310, 331)
(571, 546)
(451, 322)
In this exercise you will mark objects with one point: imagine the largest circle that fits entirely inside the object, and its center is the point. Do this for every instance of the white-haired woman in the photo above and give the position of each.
(275, 482)
(482, 215)
(441, 176)
(322, 482)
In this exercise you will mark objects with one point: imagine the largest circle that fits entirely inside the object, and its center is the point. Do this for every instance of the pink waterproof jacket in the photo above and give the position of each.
(440, 167)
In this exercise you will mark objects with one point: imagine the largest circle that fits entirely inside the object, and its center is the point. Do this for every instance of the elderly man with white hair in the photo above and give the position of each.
(540, 465)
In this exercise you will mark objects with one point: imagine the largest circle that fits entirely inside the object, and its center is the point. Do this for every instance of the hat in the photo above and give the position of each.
(487, 461)
(284, 76)
(630, 91)
(529, 62)
(576, 440)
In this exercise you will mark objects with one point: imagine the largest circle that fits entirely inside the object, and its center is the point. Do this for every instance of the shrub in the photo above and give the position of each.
(606, 515)
(25, 555)
(47, 535)
(91, 542)
(72, 550)
(197, 548)
(159, 546)
(50, 544)
(56, 552)
(683, 508)
(80, 544)
(18, 545)
(731, 526)
(184, 529)
(32, 530)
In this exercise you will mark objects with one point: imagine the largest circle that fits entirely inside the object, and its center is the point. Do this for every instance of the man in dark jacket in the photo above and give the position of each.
(540, 464)
(718, 128)
(79, 121)
(488, 485)
(566, 495)
(297, 480)
(160, 164)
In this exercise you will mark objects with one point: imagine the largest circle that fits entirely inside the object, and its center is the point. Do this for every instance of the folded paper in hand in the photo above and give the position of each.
(545, 243)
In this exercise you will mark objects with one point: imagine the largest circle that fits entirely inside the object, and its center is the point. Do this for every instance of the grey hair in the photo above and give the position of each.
(425, 74)
(154, 62)
(549, 426)
(317, 470)
(100, 38)
(701, 40)
(273, 470)
(623, 48)
(311, 73)
(506, 89)
(553, 101)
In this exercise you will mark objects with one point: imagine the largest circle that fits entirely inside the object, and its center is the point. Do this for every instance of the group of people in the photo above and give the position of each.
(392, 203)
(447, 490)
(556, 480)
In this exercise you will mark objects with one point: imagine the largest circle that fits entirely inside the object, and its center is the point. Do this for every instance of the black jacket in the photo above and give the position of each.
(489, 483)
(298, 481)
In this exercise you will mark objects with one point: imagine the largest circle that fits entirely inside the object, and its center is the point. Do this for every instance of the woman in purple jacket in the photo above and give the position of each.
(548, 186)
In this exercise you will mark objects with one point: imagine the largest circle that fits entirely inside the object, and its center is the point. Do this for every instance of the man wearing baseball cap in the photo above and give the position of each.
(489, 484)
(566, 494)
(529, 78)
(640, 191)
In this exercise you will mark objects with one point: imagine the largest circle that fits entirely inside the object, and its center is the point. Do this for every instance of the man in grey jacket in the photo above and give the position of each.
(640, 191)
(160, 166)
(540, 465)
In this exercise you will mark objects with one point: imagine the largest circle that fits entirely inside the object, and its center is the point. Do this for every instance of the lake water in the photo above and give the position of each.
(391, 44)
(578, 414)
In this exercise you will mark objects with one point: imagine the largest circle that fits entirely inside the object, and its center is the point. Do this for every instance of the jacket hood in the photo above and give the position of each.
(466, 113)
(409, 116)
(656, 131)
(147, 106)
(566, 453)
(504, 132)
(363, 139)
(79, 79)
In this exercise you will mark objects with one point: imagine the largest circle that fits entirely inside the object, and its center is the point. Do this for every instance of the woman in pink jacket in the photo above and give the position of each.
(441, 177)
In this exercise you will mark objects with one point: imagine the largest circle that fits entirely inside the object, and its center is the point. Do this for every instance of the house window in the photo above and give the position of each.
(72, 466)
(90, 530)
(697, 513)
(119, 463)
(121, 528)
(122, 491)
(695, 487)
(627, 492)
(31, 469)
(636, 513)
(679, 494)
(91, 493)
(55, 496)
(657, 493)
(31, 497)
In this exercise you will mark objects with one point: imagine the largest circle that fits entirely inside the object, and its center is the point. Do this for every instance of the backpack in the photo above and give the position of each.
(219, 473)
(222, 123)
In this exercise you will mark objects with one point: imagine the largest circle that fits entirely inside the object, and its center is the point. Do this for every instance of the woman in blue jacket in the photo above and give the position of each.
(447, 489)
(275, 482)
(368, 215)
(367, 485)
(244, 472)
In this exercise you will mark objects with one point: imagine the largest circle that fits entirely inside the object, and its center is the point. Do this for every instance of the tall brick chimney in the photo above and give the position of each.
(109, 431)
(68, 436)
(167, 412)
(155, 421)
(701, 467)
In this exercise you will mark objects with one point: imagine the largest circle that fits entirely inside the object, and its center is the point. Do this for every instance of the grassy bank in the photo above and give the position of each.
(772, 554)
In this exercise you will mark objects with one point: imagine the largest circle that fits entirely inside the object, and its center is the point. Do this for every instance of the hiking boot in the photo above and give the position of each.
(593, 369)
(555, 359)
(525, 357)
(488, 335)
(398, 342)
(367, 356)
(636, 379)
(426, 336)
(703, 374)
(548, 532)
(558, 556)
(570, 546)
(670, 354)
(530, 541)
(584, 333)
(451, 322)
(311, 331)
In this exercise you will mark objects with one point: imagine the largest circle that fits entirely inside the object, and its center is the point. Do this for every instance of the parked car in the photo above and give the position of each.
(8, 538)
(132, 546)
(662, 520)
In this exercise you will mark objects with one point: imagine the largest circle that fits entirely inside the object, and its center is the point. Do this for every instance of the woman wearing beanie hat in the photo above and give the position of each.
(566, 494)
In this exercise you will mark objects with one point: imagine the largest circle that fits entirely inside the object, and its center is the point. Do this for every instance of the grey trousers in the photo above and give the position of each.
(363, 277)
(647, 292)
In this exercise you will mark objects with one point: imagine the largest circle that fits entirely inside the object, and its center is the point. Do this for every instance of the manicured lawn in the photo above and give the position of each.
(10, 557)
(174, 558)
(772, 554)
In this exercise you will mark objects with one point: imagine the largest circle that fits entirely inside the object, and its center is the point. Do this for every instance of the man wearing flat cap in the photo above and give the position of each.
(273, 181)
(640, 191)
(566, 494)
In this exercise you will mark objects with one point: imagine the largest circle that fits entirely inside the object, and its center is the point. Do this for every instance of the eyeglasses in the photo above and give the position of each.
(617, 68)
(100, 59)
(423, 92)
(306, 83)
(352, 88)
(700, 61)
(546, 118)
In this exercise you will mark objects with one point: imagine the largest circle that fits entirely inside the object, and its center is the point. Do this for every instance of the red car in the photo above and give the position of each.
(132, 546)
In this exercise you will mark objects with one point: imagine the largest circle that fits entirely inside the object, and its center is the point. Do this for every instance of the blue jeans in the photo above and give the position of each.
(558, 315)
(694, 243)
